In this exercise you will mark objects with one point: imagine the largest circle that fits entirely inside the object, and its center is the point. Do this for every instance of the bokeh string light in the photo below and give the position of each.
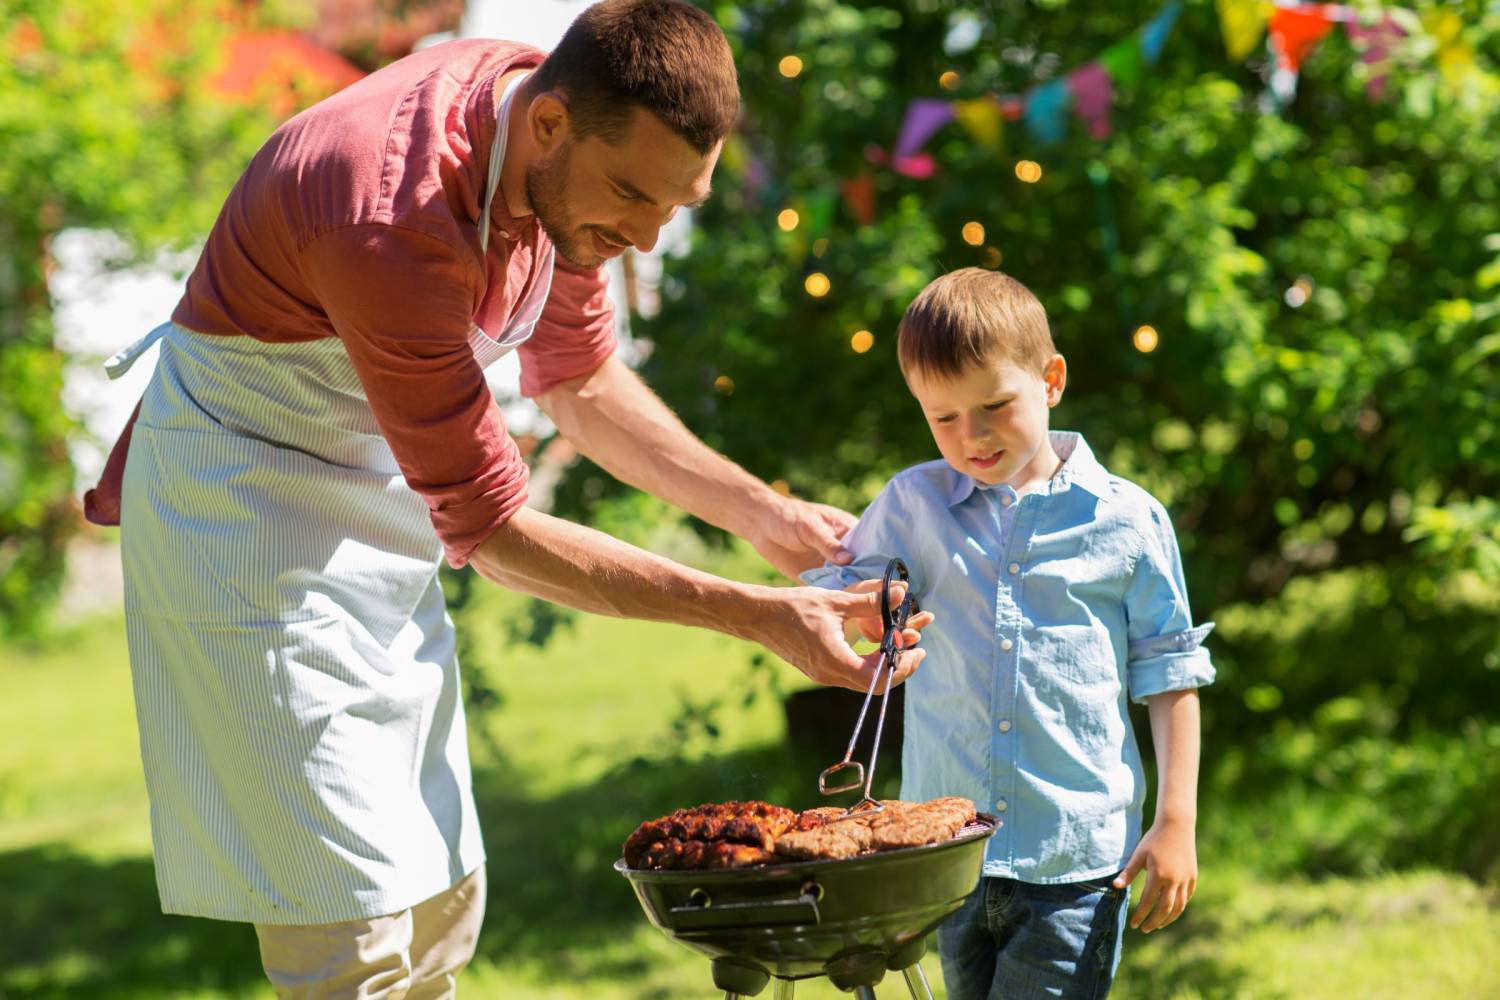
(1028, 171)
(973, 233)
(788, 219)
(862, 341)
(1145, 338)
(817, 284)
(790, 66)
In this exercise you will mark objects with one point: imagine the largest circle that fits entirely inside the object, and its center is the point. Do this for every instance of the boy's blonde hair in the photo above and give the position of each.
(973, 317)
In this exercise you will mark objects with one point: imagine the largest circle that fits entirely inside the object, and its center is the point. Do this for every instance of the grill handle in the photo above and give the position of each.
(704, 914)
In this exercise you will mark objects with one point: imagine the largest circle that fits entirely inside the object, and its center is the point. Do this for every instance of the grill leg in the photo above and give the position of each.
(864, 993)
(916, 982)
(783, 989)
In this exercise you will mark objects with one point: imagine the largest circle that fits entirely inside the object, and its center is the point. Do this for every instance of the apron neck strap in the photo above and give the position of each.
(497, 159)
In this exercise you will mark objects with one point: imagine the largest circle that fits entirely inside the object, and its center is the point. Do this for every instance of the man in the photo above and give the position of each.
(319, 408)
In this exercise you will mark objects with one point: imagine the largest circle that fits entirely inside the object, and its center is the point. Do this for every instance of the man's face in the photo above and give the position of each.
(595, 200)
(990, 422)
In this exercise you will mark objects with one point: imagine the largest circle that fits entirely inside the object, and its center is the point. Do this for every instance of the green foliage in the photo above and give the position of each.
(1325, 280)
(105, 123)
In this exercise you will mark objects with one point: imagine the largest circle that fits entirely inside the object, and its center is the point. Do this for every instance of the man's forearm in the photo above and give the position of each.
(582, 568)
(1175, 733)
(615, 420)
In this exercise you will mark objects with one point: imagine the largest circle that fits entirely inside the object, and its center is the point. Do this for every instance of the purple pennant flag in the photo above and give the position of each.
(1375, 42)
(924, 116)
(1093, 96)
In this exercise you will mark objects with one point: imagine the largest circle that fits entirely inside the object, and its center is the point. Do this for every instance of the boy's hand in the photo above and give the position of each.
(873, 628)
(1170, 857)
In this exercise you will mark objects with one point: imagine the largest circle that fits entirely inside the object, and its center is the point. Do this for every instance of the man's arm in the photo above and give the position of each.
(614, 419)
(1169, 851)
(586, 569)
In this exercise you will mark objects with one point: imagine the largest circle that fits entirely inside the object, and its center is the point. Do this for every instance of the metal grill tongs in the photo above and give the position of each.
(894, 622)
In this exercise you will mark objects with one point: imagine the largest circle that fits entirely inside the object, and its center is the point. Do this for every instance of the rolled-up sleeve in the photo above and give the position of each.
(575, 333)
(1165, 651)
(402, 302)
(883, 532)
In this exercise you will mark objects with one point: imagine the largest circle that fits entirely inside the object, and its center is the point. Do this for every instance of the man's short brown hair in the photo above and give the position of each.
(973, 317)
(661, 55)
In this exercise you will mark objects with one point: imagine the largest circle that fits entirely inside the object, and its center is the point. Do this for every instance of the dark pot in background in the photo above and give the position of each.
(819, 722)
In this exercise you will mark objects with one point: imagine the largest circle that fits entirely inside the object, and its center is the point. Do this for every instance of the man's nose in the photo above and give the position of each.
(642, 235)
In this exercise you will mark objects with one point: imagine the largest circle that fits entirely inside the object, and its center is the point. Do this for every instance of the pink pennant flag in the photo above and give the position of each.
(924, 116)
(1093, 97)
(920, 167)
(1375, 43)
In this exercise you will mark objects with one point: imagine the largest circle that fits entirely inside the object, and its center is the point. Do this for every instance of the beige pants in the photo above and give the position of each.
(412, 955)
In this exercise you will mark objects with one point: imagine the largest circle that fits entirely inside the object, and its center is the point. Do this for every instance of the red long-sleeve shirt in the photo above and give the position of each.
(358, 220)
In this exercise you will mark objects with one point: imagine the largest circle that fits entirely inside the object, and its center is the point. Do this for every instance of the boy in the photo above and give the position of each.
(1058, 590)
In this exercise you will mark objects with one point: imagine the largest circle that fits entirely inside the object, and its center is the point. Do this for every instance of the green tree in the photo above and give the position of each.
(1324, 279)
(105, 122)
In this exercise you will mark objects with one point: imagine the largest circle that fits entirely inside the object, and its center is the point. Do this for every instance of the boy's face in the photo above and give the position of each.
(990, 422)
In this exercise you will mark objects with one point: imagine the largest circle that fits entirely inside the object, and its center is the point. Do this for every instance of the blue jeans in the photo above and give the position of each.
(1014, 940)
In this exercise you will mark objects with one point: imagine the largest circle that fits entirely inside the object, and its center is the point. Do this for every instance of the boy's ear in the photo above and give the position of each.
(1055, 375)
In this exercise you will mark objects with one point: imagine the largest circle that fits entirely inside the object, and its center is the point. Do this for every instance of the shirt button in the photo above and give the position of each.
(1005, 725)
(1006, 644)
(1006, 500)
(1015, 567)
(1001, 806)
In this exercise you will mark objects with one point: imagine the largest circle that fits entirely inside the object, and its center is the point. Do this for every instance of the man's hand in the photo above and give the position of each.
(795, 535)
(1170, 857)
(806, 629)
(873, 627)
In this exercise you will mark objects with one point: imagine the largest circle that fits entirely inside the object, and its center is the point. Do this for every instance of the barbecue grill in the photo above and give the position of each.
(850, 919)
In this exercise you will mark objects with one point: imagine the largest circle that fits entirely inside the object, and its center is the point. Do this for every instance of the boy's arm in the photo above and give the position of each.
(1168, 851)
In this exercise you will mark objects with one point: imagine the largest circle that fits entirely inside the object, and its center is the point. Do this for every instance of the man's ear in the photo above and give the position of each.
(548, 120)
(1055, 375)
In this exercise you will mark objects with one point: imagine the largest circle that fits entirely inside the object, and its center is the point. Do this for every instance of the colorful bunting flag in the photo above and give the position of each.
(1295, 32)
(1455, 56)
(859, 197)
(1045, 106)
(1375, 43)
(1093, 96)
(924, 116)
(981, 119)
(1155, 31)
(1243, 23)
(1123, 60)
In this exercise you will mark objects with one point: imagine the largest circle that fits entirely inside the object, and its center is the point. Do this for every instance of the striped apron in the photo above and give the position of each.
(302, 730)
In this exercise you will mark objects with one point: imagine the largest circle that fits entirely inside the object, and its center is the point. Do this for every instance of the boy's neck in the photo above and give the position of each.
(1039, 471)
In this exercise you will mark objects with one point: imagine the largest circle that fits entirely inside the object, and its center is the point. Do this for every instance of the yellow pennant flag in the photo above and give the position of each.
(981, 119)
(1243, 23)
(1455, 56)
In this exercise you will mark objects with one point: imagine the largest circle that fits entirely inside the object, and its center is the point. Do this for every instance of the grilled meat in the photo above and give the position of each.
(740, 834)
(756, 824)
(831, 840)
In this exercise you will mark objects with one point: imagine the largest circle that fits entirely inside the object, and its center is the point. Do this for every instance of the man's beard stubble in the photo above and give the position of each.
(546, 190)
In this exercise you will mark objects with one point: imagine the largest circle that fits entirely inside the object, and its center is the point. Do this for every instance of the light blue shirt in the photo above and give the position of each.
(1052, 608)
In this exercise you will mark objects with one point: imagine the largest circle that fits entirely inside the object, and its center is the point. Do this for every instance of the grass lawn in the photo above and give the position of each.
(589, 749)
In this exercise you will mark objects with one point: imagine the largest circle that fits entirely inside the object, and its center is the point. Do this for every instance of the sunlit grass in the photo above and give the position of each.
(75, 862)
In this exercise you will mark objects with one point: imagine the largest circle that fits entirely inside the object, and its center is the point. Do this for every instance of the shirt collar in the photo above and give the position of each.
(1080, 468)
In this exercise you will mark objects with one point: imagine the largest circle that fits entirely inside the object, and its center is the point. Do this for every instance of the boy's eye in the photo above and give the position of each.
(997, 406)
(944, 420)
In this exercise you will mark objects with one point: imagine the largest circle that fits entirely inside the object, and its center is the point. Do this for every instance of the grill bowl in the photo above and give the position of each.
(811, 918)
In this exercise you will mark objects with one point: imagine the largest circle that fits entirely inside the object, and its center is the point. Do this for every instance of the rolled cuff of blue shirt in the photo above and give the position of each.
(1173, 662)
